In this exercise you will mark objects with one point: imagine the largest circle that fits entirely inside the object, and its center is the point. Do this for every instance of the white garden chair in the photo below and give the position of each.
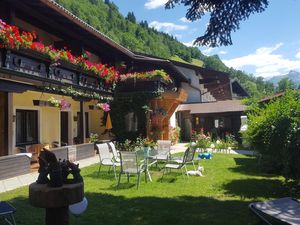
(107, 158)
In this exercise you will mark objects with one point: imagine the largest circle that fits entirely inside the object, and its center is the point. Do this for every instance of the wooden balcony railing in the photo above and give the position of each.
(35, 65)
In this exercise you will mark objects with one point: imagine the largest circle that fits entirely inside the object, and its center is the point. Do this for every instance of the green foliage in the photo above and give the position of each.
(124, 104)
(94, 137)
(285, 84)
(139, 37)
(131, 17)
(274, 131)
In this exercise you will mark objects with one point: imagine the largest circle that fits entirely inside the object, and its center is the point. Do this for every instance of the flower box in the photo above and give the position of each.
(42, 103)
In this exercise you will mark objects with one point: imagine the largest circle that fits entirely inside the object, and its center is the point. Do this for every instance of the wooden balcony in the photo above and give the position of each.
(36, 66)
(147, 85)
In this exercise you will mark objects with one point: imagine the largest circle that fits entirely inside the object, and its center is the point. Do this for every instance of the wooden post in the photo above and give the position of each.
(81, 133)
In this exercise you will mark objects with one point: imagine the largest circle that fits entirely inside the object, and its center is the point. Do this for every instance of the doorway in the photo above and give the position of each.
(3, 123)
(64, 128)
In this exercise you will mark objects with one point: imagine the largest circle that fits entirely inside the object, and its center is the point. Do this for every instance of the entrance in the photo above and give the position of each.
(64, 128)
(3, 124)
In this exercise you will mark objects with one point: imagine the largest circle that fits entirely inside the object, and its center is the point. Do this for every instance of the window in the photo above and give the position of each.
(26, 127)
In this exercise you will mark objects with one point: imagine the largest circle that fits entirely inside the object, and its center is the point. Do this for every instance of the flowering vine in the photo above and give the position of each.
(147, 75)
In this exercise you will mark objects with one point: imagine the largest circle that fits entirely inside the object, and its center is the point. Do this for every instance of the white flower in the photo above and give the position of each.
(212, 146)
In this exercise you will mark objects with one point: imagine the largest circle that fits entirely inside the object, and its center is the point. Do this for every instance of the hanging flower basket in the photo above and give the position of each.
(52, 102)
(102, 106)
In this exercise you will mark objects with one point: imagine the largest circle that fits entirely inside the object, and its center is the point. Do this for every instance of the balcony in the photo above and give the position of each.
(36, 66)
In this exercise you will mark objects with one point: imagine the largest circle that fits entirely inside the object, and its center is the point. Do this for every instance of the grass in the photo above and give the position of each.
(196, 62)
(222, 196)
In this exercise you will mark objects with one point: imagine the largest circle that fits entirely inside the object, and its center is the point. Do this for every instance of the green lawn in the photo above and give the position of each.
(222, 196)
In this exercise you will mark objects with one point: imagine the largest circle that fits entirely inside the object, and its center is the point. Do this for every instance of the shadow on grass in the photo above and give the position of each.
(249, 166)
(115, 210)
(109, 209)
(256, 188)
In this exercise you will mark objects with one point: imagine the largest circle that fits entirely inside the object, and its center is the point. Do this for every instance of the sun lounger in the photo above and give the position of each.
(278, 211)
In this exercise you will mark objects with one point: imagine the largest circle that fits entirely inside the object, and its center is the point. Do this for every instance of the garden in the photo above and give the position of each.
(221, 196)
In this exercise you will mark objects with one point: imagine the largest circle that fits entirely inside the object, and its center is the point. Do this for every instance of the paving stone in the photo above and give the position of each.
(12, 183)
(2, 187)
(26, 179)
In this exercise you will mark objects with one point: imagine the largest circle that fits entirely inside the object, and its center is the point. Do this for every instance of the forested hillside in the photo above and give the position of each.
(138, 37)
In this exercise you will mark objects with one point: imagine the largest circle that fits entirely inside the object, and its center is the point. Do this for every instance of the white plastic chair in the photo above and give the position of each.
(107, 158)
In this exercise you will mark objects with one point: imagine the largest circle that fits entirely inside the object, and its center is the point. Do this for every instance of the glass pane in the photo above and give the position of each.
(19, 127)
(31, 124)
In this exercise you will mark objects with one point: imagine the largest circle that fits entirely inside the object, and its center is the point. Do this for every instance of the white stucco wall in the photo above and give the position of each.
(194, 94)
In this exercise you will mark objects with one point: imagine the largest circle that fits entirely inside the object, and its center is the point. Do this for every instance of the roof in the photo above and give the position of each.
(238, 88)
(61, 17)
(268, 98)
(213, 107)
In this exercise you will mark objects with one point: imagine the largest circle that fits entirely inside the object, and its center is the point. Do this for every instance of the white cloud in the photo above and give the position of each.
(189, 44)
(153, 4)
(178, 36)
(167, 27)
(207, 51)
(185, 20)
(222, 52)
(266, 62)
(298, 54)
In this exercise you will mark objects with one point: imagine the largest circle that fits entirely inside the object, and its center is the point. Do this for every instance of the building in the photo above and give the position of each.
(213, 104)
(29, 78)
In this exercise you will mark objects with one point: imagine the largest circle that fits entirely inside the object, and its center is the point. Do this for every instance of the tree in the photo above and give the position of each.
(285, 84)
(225, 17)
(131, 17)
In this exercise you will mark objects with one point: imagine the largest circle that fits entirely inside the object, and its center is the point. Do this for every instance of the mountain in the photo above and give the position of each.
(139, 37)
(292, 75)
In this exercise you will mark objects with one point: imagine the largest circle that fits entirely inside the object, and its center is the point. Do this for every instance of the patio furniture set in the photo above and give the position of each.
(140, 161)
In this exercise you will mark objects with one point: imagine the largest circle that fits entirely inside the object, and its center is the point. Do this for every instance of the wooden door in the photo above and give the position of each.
(3, 124)
(64, 128)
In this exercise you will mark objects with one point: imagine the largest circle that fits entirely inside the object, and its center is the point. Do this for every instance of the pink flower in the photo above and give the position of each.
(64, 104)
(2, 24)
(106, 107)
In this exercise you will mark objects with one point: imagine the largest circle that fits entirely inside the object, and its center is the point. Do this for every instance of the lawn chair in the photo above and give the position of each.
(114, 151)
(6, 212)
(188, 157)
(180, 158)
(163, 151)
(107, 158)
(130, 165)
(280, 211)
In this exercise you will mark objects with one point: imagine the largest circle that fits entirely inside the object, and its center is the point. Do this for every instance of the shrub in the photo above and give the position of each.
(274, 131)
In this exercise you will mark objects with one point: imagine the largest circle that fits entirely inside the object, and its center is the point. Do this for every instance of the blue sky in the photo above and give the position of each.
(266, 44)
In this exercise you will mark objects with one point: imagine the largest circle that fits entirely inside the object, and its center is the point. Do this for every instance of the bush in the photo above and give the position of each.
(274, 131)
